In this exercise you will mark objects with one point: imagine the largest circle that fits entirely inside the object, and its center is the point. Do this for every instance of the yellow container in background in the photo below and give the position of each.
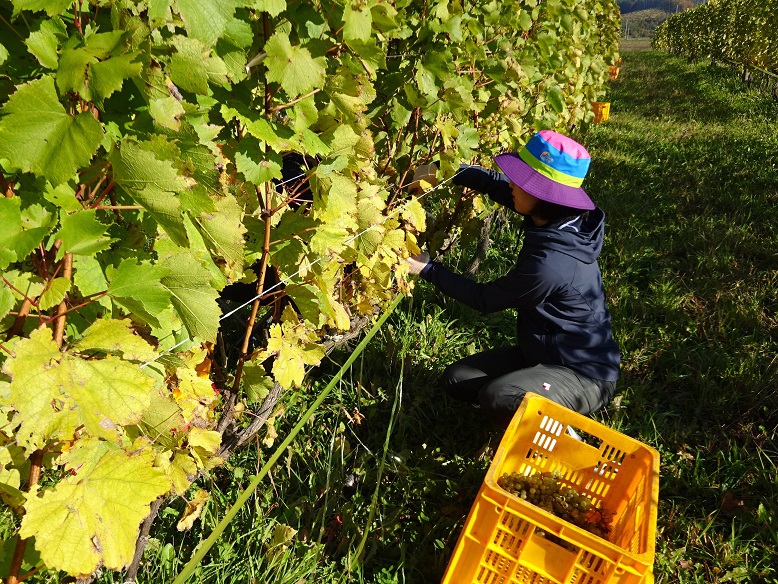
(602, 110)
(614, 71)
(505, 539)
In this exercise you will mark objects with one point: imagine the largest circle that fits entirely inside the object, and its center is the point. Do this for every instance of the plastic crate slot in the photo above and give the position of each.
(497, 561)
(613, 454)
(551, 425)
(592, 562)
(544, 441)
(538, 459)
(605, 470)
(527, 576)
(508, 542)
(487, 576)
(598, 488)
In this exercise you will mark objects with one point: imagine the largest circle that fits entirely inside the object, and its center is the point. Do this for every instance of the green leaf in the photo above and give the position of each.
(206, 20)
(115, 337)
(89, 278)
(107, 77)
(93, 518)
(166, 111)
(223, 231)
(7, 301)
(256, 382)
(138, 289)
(272, 7)
(37, 135)
(357, 22)
(556, 98)
(193, 66)
(82, 234)
(192, 296)
(20, 233)
(255, 165)
(293, 66)
(52, 7)
(44, 42)
(54, 294)
(63, 196)
(152, 182)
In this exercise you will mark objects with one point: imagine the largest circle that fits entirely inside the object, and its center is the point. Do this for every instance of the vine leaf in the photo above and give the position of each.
(194, 507)
(54, 392)
(91, 71)
(193, 66)
(92, 518)
(54, 294)
(52, 7)
(22, 230)
(206, 20)
(114, 336)
(44, 42)
(82, 234)
(37, 135)
(137, 288)
(293, 67)
(152, 182)
(192, 295)
(272, 7)
(294, 348)
(357, 23)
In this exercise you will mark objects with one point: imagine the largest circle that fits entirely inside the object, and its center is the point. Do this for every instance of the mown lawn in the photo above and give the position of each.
(379, 485)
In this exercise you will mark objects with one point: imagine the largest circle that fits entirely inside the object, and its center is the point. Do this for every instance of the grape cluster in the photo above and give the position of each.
(546, 490)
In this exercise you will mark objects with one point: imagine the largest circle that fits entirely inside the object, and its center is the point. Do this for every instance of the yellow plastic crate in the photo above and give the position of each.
(602, 111)
(507, 540)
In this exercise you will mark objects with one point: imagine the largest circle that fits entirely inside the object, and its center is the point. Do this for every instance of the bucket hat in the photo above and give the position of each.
(550, 167)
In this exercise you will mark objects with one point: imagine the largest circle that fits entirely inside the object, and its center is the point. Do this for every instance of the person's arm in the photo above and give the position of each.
(494, 184)
(522, 287)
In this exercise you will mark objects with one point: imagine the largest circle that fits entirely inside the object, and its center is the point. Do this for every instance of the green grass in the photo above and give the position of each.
(687, 172)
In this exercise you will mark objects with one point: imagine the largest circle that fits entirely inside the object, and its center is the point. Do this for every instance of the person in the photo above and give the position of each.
(565, 348)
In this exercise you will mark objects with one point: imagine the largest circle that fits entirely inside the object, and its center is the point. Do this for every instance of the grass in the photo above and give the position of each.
(687, 172)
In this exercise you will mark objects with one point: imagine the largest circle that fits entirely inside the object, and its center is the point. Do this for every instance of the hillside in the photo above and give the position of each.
(669, 6)
(642, 23)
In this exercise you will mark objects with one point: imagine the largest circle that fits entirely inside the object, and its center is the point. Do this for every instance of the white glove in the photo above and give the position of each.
(418, 262)
(426, 173)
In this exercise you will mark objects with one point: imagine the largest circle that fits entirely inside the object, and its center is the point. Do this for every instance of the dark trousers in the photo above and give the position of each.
(498, 379)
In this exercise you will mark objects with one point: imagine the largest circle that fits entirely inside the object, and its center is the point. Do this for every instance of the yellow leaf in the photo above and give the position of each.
(193, 509)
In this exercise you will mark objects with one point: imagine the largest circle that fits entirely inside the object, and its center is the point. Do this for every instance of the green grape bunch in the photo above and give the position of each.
(546, 490)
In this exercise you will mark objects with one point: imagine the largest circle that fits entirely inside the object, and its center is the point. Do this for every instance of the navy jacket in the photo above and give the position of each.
(556, 287)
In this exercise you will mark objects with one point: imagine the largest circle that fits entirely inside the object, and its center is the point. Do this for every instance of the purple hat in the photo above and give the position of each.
(551, 167)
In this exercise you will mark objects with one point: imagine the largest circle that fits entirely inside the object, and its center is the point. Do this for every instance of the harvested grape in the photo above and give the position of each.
(547, 491)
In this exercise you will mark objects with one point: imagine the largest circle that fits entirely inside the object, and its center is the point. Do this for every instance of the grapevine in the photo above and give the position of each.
(142, 155)
(547, 491)
(736, 32)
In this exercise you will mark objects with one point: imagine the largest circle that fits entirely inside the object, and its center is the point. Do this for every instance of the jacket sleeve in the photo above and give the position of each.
(522, 287)
(494, 184)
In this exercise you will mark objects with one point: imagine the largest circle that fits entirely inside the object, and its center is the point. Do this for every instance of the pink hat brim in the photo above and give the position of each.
(542, 187)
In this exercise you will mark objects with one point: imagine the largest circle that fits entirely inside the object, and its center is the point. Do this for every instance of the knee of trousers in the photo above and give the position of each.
(500, 401)
(453, 374)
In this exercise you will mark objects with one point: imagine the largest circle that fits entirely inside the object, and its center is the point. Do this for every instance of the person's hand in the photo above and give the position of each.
(424, 178)
(418, 262)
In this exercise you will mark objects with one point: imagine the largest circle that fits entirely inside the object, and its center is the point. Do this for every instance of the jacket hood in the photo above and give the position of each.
(581, 239)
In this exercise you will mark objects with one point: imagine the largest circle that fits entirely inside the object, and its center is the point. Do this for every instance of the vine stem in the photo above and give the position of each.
(62, 309)
(36, 461)
(228, 410)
